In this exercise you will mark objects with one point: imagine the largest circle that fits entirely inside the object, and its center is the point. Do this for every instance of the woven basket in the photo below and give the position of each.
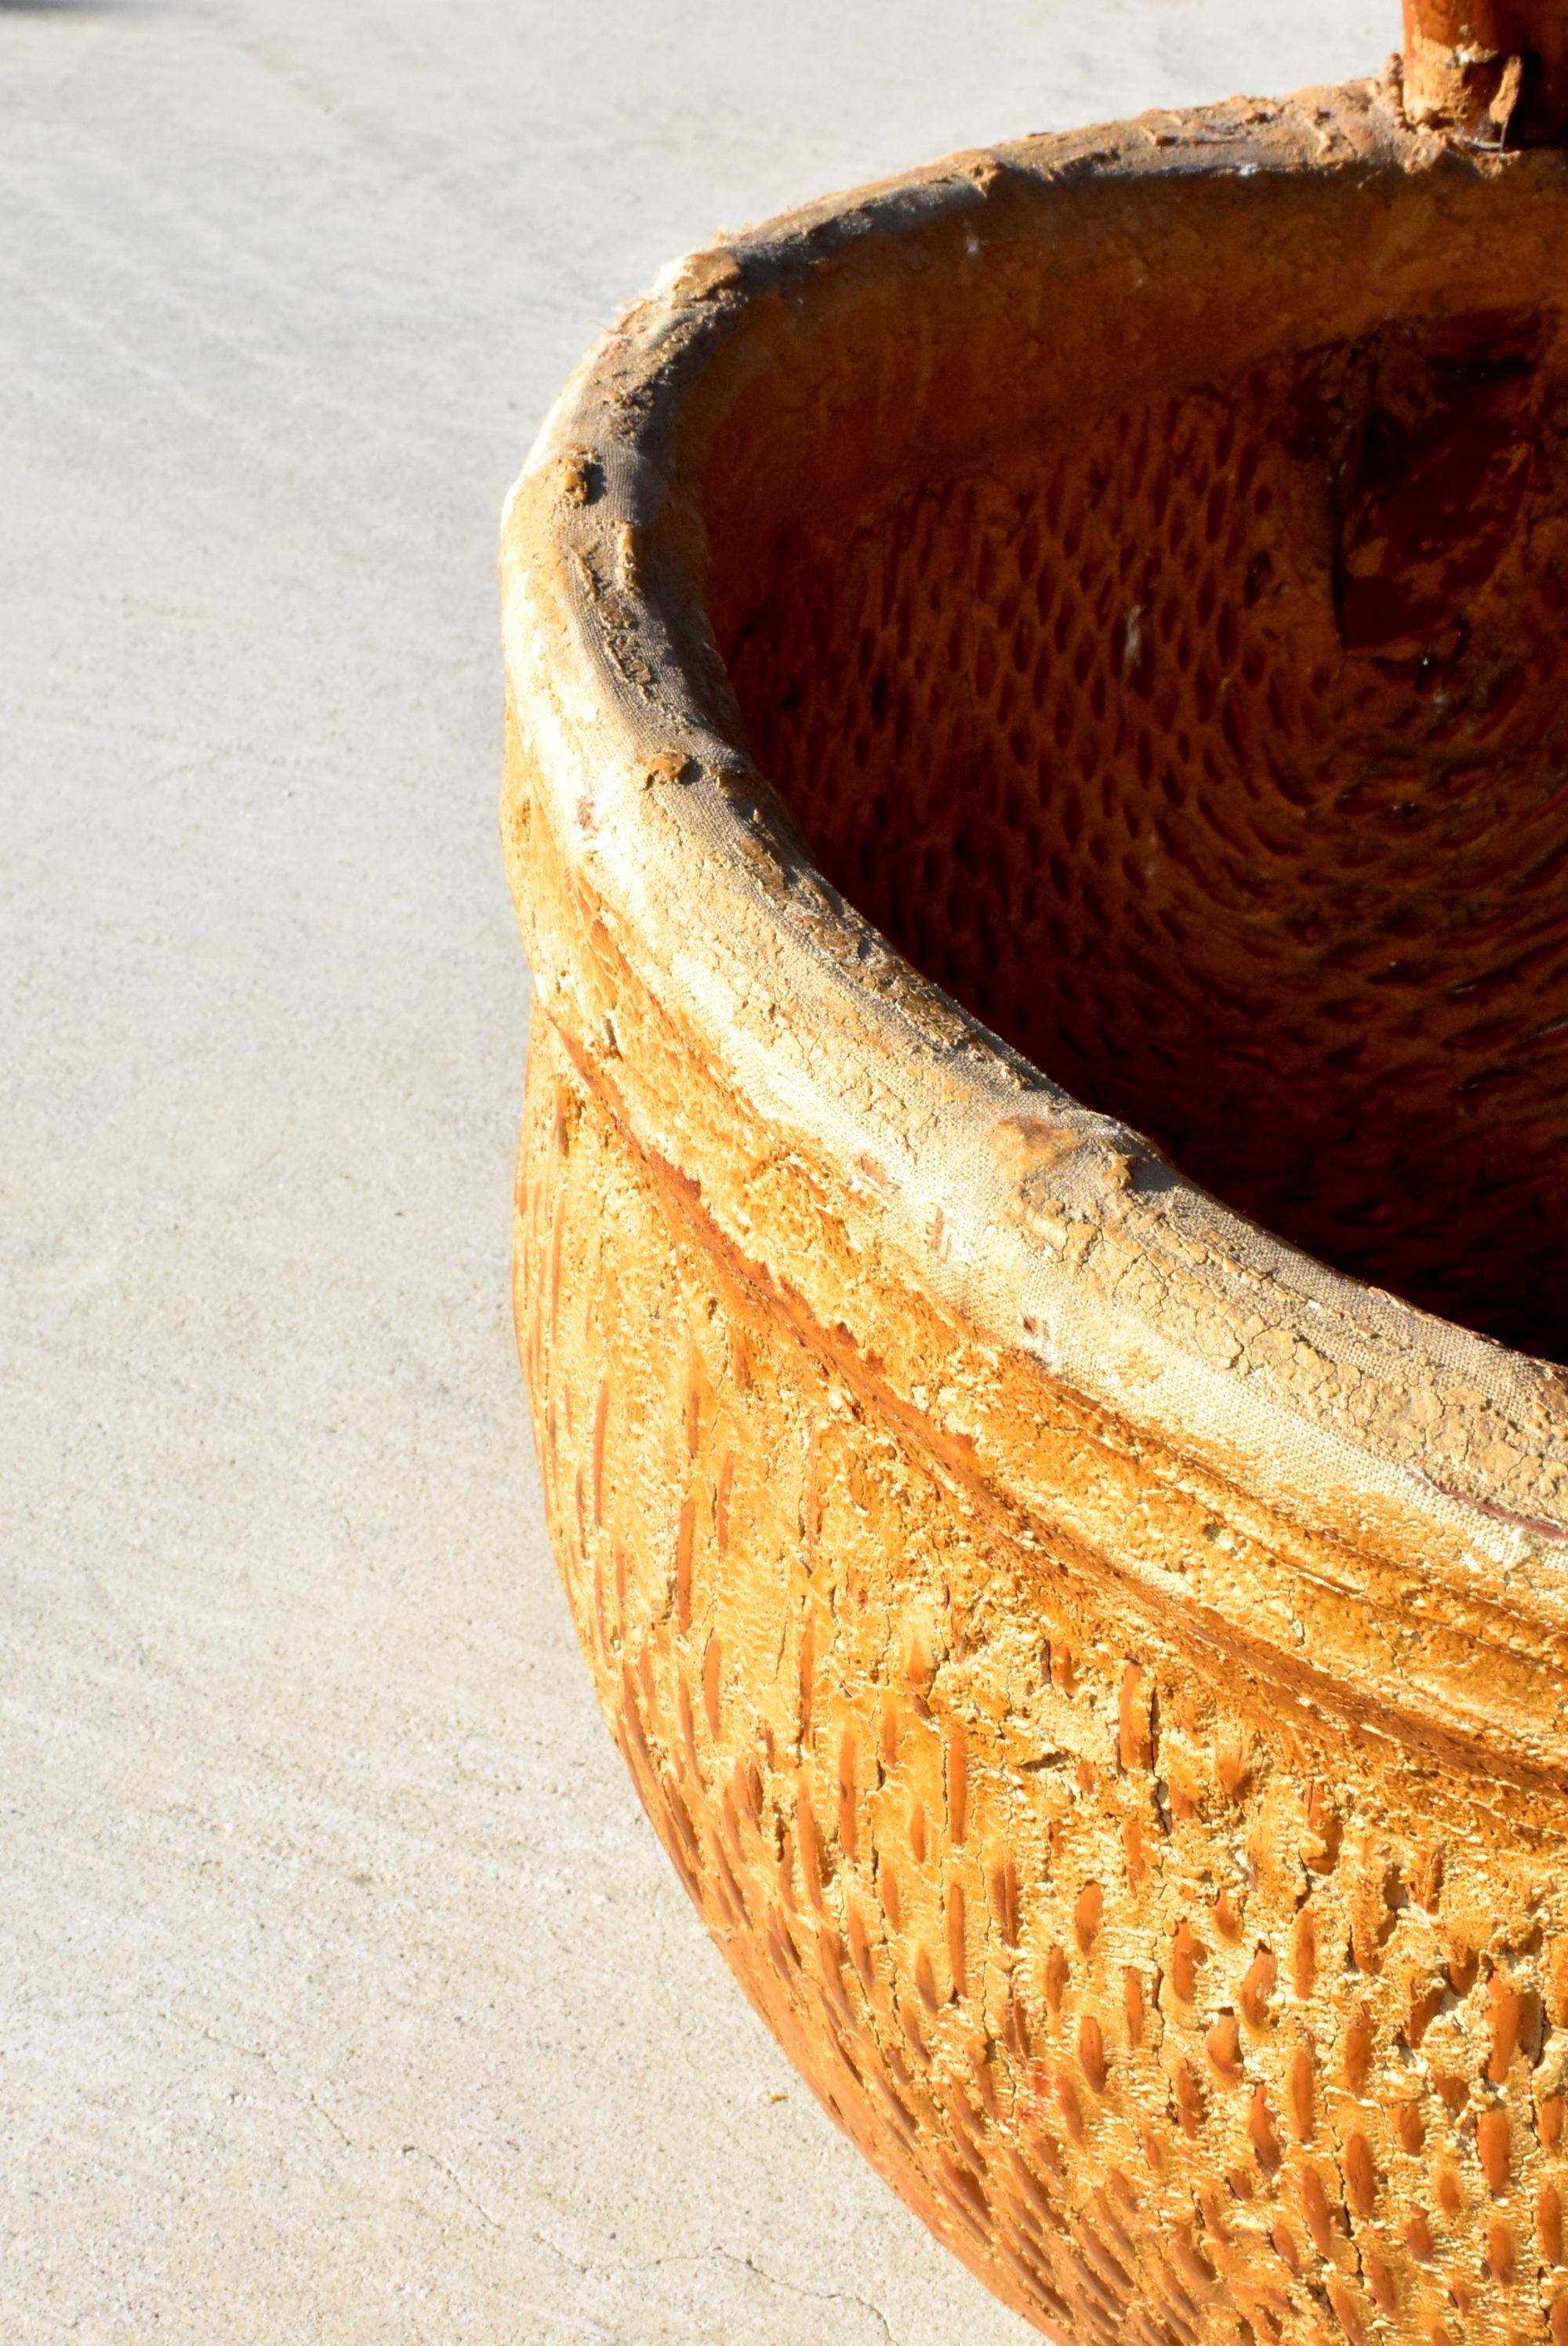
(1038, 794)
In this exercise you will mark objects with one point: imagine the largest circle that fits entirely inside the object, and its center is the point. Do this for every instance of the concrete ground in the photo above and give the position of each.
(344, 1995)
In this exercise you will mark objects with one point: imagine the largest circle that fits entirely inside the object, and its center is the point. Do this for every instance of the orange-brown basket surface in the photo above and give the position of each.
(1099, 1671)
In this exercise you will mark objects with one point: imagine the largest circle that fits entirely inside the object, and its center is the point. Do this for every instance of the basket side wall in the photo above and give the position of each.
(1117, 1740)
(1165, 2015)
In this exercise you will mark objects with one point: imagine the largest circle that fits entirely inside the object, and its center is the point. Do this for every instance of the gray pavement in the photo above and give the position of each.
(344, 1995)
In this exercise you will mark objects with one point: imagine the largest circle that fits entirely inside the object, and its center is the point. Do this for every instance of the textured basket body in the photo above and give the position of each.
(1099, 1674)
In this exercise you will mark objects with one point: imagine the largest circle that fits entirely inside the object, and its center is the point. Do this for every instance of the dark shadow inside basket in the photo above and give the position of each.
(1213, 749)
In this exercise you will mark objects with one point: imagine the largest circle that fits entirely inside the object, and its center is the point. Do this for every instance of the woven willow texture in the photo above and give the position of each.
(1216, 753)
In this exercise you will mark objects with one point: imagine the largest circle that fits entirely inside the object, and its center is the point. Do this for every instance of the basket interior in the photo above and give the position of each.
(1213, 749)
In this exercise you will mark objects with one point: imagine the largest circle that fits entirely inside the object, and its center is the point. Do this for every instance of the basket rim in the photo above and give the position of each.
(656, 808)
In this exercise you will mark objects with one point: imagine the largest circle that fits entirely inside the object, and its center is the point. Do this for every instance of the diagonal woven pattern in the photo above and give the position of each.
(1215, 754)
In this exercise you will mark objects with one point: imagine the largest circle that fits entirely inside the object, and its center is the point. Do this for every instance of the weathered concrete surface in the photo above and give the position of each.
(345, 1995)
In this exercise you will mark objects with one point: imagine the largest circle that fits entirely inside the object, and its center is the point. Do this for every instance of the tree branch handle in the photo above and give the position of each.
(1495, 71)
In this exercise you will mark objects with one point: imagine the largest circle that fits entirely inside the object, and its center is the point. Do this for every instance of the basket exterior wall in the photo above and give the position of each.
(1116, 1971)
(1101, 1679)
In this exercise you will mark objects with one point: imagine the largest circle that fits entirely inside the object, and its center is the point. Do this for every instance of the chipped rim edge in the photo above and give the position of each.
(1505, 1415)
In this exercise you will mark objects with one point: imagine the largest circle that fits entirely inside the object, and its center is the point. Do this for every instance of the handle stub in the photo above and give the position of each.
(1491, 71)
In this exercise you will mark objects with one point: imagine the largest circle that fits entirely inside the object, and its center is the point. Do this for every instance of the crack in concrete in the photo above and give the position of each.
(418, 2150)
(302, 2094)
(322, 2112)
(587, 2270)
(815, 2296)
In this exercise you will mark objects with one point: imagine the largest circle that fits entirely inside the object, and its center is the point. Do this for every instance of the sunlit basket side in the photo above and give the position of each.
(1099, 1672)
